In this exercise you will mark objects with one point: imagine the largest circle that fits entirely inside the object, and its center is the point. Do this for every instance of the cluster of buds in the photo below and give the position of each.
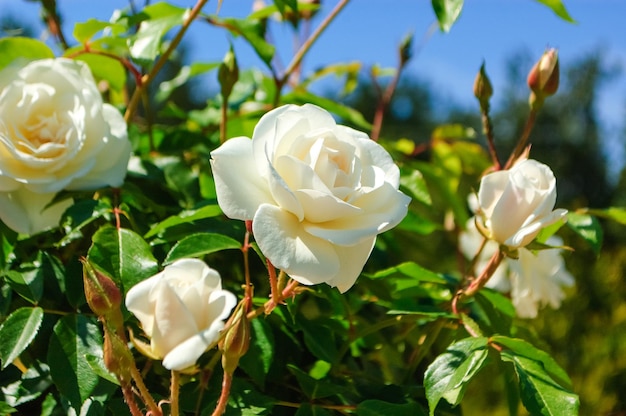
(543, 78)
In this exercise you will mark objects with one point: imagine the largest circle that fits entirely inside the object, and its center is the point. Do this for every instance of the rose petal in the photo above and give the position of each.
(289, 247)
(25, 212)
(185, 354)
(352, 260)
(240, 188)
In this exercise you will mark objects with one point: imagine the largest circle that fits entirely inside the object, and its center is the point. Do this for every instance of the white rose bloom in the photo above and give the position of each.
(55, 133)
(537, 279)
(516, 204)
(318, 193)
(181, 310)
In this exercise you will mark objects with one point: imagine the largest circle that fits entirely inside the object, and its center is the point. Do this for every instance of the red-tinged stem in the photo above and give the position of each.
(220, 408)
(523, 140)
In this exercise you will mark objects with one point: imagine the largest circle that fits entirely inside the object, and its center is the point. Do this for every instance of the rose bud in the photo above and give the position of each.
(101, 292)
(543, 78)
(482, 88)
(237, 340)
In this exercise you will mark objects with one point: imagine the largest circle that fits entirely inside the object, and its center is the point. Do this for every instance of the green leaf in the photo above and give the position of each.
(74, 338)
(540, 394)
(258, 360)
(453, 132)
(17, 332)
(79, 215)
(198, 245)
(27, 281)
(253, 32)
(417, 187)
(319, 338)
(307, 409)
(588, 227)
(447, 12)
(97, 365)
(558, 8)
(26, 49)
(207, 211)
(85, 31)
(525, 349)
(412, 270)
(30, 386)
(381, 408)
(347, 114)
(8, 238)
(498, 309)
(312, 388)
(161, 18)
(416, 223)
(105, 68)
(612, 213)
(185, 74)
(122, 254)
(5, 409)
(448, 376)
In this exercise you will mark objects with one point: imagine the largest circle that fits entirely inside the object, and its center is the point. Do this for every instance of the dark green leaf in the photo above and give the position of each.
(79, 215)
(27, 282)
(320, 338)
(17, 332)
(162, 17)
(8, 238)
(588, 227)
(498, 310)
(540, 394)
(257, 361)
(312, 388)
(307, 409)
(447, 12)
(29, 387)
(198, 245)
(558, 8)
(25, 49)
(97, 365)
(122, 254)
(525, 349)
(418, 224)
(207, 211)
(73, 339)
(448, 376)
(381, 408)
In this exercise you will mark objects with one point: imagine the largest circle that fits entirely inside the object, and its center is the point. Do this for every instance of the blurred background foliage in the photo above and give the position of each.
(587, 335)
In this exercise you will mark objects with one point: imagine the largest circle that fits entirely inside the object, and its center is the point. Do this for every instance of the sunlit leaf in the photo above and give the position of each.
(24, 49)
(588, 227)
(558, 8)
(416, 185)
(85, 31)
(447, 12)
(17, 332)
(207, 211)
(146, 44)
(185, 74)
(448, 376)
(198, 245)
(412, 270)
(616, 214)
(106, 69)
(253, 32)
(123, 254)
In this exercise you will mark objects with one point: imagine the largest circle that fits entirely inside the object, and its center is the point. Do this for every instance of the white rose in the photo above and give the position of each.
(181, 310)
(516, 204)
(537, 279)
(318, 193)
(55, 133)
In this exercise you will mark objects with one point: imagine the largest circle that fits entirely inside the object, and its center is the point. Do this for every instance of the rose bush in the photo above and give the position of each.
(55, 133)
(317, 193)
(181, 310)
(515, 204)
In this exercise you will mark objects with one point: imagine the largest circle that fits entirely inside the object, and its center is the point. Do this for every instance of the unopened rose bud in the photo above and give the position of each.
(482, 88)
(237, 340)
(228, 73)
(543, 78)
(101, 292)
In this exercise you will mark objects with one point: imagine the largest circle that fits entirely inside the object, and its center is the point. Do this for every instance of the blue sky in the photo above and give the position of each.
(369, 31)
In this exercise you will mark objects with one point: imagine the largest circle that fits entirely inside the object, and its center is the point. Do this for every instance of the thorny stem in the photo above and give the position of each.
(246, 262)
(146, 79)
(325, 406)
(129, 398)
(479, 282)
(523, 140)
(297, 58)
(127, 64)
(174, 392)
(143, 391)
(275, 296)
(223, 400)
